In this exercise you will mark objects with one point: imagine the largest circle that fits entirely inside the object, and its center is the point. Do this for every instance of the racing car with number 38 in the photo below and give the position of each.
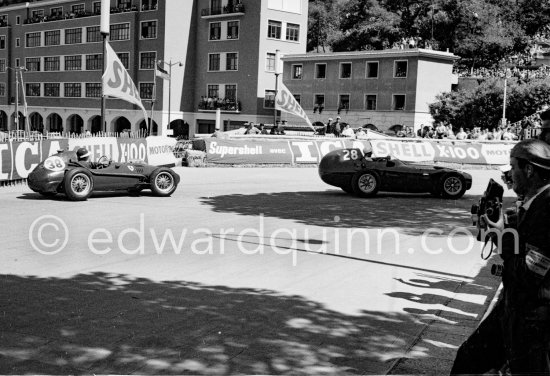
(64, 173)
(355, 172)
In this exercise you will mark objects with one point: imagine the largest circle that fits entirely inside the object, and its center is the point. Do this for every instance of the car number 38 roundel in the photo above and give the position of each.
(54, 163)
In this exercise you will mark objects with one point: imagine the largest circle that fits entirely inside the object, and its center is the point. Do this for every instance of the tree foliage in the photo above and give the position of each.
(482, 106)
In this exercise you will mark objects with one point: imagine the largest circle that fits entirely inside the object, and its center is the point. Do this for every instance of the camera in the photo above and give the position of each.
(489, 204)
(497, 269)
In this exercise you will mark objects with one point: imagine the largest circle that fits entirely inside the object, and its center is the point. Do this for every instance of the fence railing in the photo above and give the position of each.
(36, 136)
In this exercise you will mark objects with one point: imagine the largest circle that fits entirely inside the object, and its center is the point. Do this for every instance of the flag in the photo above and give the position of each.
(285, 101)
(117, 82)
(160, 72)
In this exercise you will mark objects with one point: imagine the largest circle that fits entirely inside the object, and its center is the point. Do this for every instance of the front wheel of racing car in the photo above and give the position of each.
(452, 186)
(78, 184)
(163, 182)
(365, 183)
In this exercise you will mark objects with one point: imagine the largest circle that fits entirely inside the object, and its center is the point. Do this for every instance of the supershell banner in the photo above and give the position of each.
(276, 151)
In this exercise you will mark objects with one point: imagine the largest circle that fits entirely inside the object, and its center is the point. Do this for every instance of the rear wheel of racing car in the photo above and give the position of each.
(452, 186)
(365, 183)
(78, 184)
(163, 182)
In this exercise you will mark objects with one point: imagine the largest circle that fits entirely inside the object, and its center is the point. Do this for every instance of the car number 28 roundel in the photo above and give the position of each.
(54, 163)
(351, 154)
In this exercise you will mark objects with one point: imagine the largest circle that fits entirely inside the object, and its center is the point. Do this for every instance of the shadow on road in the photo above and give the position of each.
(412, 214)
(108, 323)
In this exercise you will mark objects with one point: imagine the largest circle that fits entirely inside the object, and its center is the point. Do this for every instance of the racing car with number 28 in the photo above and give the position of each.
(355, 172)
(64, 173)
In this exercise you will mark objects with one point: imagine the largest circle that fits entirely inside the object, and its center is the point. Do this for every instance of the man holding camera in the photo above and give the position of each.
(516, 333)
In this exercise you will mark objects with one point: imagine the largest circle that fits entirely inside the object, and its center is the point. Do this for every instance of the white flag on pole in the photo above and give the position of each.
(25, 110)
(161, 72)
(117, 82)
(286, 102)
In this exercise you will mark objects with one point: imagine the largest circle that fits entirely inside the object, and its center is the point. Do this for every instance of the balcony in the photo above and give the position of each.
(212, 104)
(228, 10)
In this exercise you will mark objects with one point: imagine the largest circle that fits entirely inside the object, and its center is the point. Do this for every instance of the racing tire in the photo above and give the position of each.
(163, 182)
(365, 183)
(452, 186)
(78, 184)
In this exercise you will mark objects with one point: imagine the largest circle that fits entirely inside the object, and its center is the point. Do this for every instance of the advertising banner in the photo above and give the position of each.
(497, 154)
(408, 151)
(456, 152)
(19, 158)
(247, 151)
(160, 151)
(97, 146)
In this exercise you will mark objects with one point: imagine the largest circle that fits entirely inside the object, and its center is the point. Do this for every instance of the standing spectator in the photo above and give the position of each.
(337, 127)
(251, 129)
(507, 135)
(461, 135)
(281, 127)
(348, 132)
(360, 134)
(329, 128)
(262, 129)
(545, 127)
(440, 131)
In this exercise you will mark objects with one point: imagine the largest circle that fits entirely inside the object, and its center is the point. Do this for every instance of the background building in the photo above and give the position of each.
(218, 49)
(383, 88)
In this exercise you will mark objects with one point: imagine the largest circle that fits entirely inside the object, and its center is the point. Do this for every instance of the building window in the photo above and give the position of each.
(72, 89)
(270, 62)
(298, 98)
(400, 69)
(39, 13)
(52, 38)
(213, 62)
(398, 102)
(233, 30)
(93, 34)
(147, 60)
(77, 9)
(2, 89)
(3, 20)
(18, 20)
(97, 7)
(32, 64)
(56, 12)
(32, 39)
(319, 100)
(51, 89)
(274, 29)
(148, 29)
(2, 42)
(320, 71)
(32, 89)
(73, 36)
(297, 71)
(17, 62)
(149, 4)
(17, 42)
(370, 102)
(124, 58)
(215, 31)
(216, 6)
(213, 91)
(269, 99)
(73, 63)
(343, 102)
(146, 90)
(231, 92)
(94, 62)
(124, 4)
(345, 70)
(93, 90)
(372, 69)
(292, 32)
(51, 63)
(232, 61)
(120, 32)
(2, 65)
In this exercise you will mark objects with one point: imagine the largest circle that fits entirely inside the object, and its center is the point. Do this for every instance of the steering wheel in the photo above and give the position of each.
(103, 162)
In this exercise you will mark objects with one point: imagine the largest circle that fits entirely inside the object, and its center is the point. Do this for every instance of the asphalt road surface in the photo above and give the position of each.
(242, 270)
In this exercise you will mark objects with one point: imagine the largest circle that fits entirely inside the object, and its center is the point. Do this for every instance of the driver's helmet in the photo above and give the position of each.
(83, 154)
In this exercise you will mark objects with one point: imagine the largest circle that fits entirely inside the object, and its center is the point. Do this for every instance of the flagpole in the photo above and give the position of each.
(104, 29)
(276, 87)
(153, 98)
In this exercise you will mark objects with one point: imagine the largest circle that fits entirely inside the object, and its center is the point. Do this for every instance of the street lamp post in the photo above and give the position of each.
(17, 71)
(170, 65)
(277, 57)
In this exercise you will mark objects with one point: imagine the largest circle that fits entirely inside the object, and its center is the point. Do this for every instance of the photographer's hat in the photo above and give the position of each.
(536, 152)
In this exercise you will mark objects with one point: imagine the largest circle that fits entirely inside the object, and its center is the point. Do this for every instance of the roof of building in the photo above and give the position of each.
(410, 52)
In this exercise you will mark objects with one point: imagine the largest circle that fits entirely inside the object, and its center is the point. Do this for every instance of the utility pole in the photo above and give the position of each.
(276, 87)
(105, 30)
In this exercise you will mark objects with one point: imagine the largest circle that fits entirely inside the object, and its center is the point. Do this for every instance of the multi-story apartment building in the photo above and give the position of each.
(218, 49)
(383, 88)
